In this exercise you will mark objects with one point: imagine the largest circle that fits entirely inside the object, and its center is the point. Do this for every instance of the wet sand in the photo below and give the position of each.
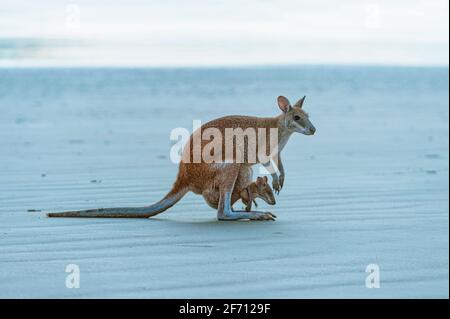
(370, 187)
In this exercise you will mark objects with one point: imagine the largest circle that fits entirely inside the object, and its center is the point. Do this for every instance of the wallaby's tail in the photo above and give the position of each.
(176, 193)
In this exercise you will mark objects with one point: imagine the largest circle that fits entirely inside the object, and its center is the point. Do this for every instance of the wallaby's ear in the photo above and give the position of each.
(299, 103)
(265, 179)
(283, 103)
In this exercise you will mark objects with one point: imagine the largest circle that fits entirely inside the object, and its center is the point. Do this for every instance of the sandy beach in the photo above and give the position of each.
(371, 187)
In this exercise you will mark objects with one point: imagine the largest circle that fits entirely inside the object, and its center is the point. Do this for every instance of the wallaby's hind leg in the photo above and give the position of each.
(225, 212)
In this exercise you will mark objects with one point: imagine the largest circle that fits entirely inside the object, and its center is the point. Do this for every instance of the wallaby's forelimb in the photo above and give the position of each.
(277, 181)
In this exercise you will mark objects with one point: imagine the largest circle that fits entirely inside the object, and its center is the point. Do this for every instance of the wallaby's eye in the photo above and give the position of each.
(296, 117)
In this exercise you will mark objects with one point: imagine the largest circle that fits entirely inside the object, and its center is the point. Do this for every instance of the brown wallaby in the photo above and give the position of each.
(222, 179)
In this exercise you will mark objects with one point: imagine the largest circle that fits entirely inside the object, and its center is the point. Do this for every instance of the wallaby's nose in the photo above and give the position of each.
(312, 130)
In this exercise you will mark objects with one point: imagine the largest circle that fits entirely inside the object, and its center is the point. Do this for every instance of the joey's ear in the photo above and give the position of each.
(265, 179)
(299, 103)
(283, 103)
(259, 181)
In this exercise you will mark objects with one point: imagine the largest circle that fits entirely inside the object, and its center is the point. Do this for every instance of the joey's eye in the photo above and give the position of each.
(296, 117)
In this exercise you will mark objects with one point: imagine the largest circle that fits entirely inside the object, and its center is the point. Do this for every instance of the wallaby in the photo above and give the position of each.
(224, 180)
(259, 189)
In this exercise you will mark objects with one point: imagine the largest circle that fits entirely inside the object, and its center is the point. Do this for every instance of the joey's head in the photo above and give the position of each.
(295, 119)
(264, 191)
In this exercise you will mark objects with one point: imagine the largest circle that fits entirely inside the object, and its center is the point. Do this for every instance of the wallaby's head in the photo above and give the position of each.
(295, 119)
(264, 191)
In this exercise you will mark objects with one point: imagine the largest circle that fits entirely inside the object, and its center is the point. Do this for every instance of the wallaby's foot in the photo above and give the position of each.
(272, 214)
(236, 215)
(263, 216)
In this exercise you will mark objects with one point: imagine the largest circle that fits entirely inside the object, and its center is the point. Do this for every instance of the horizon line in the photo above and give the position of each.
(215, 66)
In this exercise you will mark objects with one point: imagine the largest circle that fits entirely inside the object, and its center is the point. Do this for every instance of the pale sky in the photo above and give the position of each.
(223, 32)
